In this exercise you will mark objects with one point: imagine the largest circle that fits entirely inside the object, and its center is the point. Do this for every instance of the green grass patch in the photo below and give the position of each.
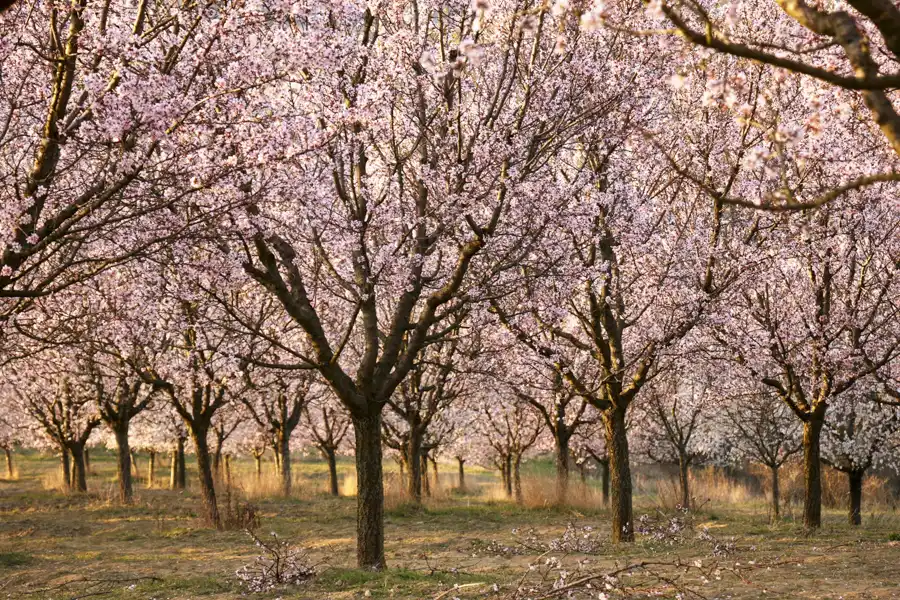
(15, 559)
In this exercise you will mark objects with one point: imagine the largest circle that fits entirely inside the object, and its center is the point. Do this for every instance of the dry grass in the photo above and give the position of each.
(158, 545)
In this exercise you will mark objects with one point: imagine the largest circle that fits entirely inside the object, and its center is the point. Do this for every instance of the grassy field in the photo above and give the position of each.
(59, 546)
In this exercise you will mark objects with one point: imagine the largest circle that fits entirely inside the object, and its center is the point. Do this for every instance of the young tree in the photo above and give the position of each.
(761, 428)
(860, 434)
(328, 425)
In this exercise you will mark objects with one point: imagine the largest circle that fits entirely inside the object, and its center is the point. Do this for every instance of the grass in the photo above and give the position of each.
(54, 545)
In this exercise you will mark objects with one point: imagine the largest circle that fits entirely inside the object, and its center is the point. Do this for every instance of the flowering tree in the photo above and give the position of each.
(328, 424)
(676, 422)
(860, 434)
(761, 428)
(820, 317)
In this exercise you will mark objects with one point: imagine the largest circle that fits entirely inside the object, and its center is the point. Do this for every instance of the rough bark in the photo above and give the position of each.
(332, 472)
(562, 467)
(604, 478)
(620, 475)
(776, 494)
(370, 492)
(79, 471)
(66, 468)
(684, 464)
(123, 465)
(414, 459)
(285, 451)
(856, 484)
(812, 473)
(204, 467)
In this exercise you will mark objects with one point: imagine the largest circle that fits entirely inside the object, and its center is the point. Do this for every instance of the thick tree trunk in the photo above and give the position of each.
(151, 468)
(66, 469)
(562, 468)
(284, 450)
(332, 471)
(10, 470)
(856, 485)
(207, 487)
(684, 481)
(123, 465)
(517, 479)
(620, 475)
(369, 493)
(812, 473)
(462, 473)
(79, 471)
(414, 459)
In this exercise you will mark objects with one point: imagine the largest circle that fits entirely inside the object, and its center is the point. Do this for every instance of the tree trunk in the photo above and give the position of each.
(277, 453)
(151, 468)
(776, 494)
(517, 479)
(9, 463)
(426, 483)
(228, 470)
(462, 473)
(856, 483)
(87, 461)
(812, 473)
(284, 449)
(258, 459)
(180, 472)
(173, 470)
(332, 471)
(369, 493)
(683, 480)
(134, 464)
(436, 475)
(562, 468)
(507, 463)
(414, 459)
(620, 475)
(604, 480)
(204, 468)
(79, 472)
(217, 459)
(66, 469)
(123, 465)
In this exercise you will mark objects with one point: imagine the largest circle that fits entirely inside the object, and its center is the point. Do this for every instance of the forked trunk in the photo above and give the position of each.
(205, 472)
(123, 465)
(620, 475)
(369, 493)
(812, 473)
(79, 471)
(332, 471)
(856, 485)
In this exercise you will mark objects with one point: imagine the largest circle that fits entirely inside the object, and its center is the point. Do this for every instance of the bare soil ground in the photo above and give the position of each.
(64, 546)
